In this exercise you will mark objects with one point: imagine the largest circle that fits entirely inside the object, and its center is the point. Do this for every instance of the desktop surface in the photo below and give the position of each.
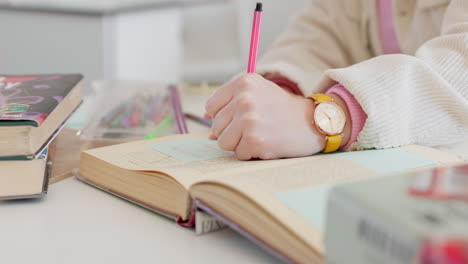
(76, 223)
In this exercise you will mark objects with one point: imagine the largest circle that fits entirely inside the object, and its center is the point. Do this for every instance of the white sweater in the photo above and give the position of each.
(420, 97)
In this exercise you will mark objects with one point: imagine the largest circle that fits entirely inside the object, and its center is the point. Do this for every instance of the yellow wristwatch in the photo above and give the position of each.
(330, 120)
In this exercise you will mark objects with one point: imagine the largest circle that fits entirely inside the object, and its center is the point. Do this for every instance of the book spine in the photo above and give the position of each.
(356, 233)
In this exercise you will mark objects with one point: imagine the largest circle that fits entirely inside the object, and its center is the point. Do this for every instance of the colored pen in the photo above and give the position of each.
(178, 113)
(199, 120)
(255, 38)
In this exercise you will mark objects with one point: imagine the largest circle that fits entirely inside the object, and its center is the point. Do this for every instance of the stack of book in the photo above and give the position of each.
(33, 109)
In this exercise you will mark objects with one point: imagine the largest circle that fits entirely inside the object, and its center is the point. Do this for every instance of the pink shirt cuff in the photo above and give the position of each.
(358, 116)
(284, 82)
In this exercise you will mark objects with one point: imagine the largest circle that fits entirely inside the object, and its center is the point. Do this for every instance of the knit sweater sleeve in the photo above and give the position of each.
(421, 99)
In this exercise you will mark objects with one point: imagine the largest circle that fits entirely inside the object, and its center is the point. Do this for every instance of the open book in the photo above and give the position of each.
(278, 203)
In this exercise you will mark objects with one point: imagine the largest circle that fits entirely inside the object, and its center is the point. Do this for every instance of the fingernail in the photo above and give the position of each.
(207, 116)
(212, 136)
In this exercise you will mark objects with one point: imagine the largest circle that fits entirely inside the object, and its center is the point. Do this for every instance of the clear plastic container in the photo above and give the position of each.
(129, 110)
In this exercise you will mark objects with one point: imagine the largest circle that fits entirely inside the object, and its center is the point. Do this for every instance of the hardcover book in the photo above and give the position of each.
(412, 218)
(24, 179)
(33, 108)
(279, 204)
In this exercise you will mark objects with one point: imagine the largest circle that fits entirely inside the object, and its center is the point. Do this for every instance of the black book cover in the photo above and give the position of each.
(29, 99)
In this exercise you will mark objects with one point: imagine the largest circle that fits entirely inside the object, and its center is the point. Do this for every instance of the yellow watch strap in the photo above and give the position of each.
(333, 143)
(320, 98)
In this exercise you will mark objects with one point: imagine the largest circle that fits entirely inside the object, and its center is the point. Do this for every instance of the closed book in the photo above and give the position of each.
(386, 221)
(24, 179)
(33, 108)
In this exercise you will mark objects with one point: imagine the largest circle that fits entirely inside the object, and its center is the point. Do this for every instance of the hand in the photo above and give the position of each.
(258, 119)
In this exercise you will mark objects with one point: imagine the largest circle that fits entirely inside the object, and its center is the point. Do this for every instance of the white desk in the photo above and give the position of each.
(76, 223)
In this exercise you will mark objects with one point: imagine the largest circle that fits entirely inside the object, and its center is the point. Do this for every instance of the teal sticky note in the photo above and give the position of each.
(191, 149)
(309, 203)
(386, 160)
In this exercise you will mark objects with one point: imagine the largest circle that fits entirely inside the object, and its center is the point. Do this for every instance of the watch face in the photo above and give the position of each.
(329, 118)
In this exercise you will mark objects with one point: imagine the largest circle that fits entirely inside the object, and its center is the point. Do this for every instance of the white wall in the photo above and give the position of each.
(275, 18)
(147, 45)
(210, 41)
(219, 35)
(205, 42)
(41, 42)
(139, 45)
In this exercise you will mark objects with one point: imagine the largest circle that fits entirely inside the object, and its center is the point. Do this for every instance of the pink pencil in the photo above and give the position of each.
(255, 38)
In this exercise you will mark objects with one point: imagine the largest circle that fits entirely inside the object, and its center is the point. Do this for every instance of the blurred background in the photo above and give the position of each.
(157, 40)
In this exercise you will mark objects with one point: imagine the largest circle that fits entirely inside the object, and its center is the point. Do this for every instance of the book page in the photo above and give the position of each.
(22, 178)
(186, 158)
(295, 191)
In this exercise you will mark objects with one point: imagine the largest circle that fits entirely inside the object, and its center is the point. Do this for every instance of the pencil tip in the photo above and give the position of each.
(259, 7)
